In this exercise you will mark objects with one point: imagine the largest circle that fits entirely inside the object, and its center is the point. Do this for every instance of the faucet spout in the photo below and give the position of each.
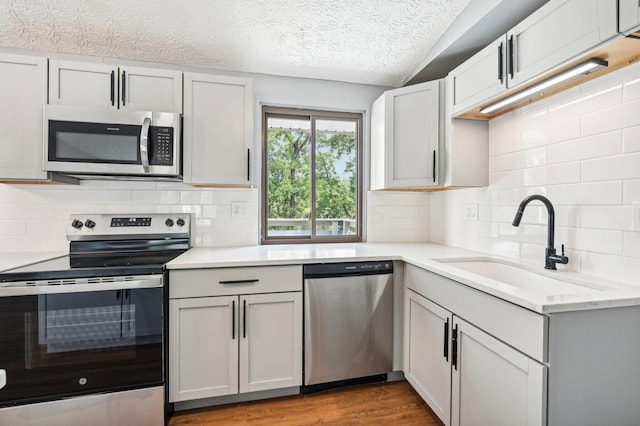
(551, 258)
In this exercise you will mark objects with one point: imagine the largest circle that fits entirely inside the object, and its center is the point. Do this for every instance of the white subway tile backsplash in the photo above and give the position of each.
(614, 118)
(631, 139)
(606, 217)
(601, 145)
(586, 160)
(13, 227)
(551, 175)
(595, 193)
(611, 168)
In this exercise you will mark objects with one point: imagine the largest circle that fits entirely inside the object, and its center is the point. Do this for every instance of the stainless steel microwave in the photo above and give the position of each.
(101, 142)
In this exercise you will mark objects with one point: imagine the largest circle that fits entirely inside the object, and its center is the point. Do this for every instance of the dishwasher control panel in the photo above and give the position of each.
(342, 269)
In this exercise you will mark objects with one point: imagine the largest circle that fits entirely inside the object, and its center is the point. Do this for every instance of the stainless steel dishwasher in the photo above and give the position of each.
(348, 329)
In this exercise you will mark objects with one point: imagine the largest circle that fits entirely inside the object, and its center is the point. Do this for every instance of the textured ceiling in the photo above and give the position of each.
(380, 42)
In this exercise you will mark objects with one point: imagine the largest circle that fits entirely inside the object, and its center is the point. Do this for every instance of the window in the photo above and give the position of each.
(311, 176)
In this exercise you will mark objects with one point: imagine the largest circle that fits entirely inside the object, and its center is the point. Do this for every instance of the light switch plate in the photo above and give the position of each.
(471, 211)
(239, 209)
(635, 216)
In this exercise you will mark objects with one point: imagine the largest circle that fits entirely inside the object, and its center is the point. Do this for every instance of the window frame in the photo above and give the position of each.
(312, 115)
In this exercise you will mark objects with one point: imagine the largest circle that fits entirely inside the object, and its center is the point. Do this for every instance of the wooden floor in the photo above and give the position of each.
(381, 404)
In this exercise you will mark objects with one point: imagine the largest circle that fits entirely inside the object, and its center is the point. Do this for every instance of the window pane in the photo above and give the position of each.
(336, 185)
(288, 177)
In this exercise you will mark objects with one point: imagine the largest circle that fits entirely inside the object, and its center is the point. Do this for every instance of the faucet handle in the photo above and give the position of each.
(563, 249)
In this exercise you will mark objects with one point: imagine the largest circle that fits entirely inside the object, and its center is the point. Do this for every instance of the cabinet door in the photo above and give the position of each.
(218, 127)
(412, 135)
(427, 352)
(23, 88)
(629, 12)
(270, 341)
(83, 83)
(480, 78)
(557, 32)
(147, 89)
(492, 383)
(203, 347)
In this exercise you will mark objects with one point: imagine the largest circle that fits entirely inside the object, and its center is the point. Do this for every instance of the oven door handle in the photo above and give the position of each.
(22, 289)
(144, 144)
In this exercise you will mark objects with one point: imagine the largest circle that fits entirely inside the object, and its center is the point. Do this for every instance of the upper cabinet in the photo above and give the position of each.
(405, 137)
(106, 85)
(629, 11)
(218, 130)
(558, 32)
(23, 87)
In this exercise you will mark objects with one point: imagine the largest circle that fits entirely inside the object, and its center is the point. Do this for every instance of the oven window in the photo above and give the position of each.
(74, 343)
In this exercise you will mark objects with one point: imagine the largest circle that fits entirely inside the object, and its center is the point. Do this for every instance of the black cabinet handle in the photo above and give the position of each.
(500, 63)
(248, 164)
(510, 52)
(233, 320)
(124, 85)
(244, 319)
(113, 87)
(454, 347)
(446, 340)
(239, 281)
(434, 166)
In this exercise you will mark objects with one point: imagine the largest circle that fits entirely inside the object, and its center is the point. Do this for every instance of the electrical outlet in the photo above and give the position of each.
(239, 209)
(635, 216)
(471, 212)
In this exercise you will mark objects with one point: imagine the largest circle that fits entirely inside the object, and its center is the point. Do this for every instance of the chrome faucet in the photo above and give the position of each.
(550, 258)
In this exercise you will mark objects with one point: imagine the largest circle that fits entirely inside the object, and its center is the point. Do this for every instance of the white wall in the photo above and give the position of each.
(33, 217)
(581, 149)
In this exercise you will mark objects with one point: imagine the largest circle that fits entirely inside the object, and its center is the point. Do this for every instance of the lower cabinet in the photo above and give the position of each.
(492, 383)
(223, 345)
(466, 375)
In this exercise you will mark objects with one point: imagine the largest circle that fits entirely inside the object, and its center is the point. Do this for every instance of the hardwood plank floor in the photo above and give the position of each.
(393, 403)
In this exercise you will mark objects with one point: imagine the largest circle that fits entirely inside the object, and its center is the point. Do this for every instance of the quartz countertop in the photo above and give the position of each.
(423, 255)
(16, 259)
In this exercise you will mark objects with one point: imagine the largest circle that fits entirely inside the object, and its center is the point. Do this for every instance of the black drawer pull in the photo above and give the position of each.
(239, 281)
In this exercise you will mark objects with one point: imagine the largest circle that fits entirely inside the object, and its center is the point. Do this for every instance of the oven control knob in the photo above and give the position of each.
(76, 224)
(180, 222)
(90, 224)
(169, 222)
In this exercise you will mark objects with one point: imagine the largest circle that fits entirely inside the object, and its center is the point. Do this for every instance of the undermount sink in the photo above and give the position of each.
(522, 277)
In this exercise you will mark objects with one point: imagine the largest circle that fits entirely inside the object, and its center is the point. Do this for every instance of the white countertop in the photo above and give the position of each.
(422, 255)
(15, 259)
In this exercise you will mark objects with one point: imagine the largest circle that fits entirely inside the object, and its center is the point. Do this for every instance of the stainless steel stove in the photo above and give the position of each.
(82, 336)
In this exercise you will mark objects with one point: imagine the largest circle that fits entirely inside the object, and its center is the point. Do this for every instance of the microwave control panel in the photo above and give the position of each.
(161, 144)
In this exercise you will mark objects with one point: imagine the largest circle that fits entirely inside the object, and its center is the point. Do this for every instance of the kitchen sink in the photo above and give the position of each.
(524, 277)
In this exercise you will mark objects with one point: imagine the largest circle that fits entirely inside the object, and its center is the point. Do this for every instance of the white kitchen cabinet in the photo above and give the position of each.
(23, 87)
(629, 16)
(561, 30)
(481, 77)
(558, 31)
(427, 354)
(112, 86)
(203, 347)
(405, 137)
(492, 383)
(270, 341)
(218, 130)
(234, 330)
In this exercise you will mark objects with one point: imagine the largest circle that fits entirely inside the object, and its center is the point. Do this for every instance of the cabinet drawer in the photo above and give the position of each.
(518, 327)
(234, 281)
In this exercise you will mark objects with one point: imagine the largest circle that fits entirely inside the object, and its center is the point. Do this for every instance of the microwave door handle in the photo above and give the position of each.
(144, 144)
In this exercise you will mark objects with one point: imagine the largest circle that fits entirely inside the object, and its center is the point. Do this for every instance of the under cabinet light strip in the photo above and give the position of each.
(538, 89)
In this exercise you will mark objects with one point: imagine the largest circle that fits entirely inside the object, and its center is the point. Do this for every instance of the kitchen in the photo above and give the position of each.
(578, 148)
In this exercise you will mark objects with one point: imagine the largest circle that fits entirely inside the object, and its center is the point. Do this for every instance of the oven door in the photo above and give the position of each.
(105, 142)
(61, 342)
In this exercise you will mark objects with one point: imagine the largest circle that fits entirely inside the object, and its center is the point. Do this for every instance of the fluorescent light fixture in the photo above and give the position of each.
(557, 80)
